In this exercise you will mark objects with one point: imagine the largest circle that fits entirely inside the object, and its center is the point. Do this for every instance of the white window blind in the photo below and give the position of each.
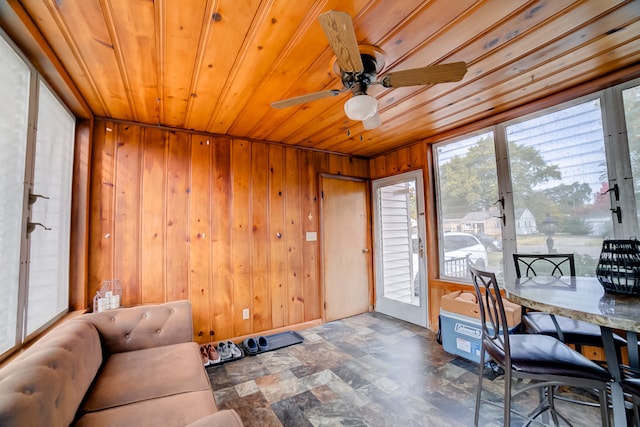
(49, 249)
(14, 111)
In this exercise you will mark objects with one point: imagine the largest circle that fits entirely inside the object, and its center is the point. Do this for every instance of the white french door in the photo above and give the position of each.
(400, 260)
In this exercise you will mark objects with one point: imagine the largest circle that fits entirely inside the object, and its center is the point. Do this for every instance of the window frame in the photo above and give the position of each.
(35, 80)
(617, 159)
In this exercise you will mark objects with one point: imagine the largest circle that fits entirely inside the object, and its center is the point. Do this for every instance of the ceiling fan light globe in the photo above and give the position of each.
(372, 122)
(361, 107)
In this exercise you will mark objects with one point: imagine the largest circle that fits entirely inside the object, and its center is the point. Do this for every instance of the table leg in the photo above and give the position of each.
(617, 397)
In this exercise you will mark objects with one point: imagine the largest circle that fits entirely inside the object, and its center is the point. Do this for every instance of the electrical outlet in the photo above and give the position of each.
(245, 313)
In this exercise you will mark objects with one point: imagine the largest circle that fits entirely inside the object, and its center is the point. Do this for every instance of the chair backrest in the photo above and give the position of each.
(529, 265)
(495, 330)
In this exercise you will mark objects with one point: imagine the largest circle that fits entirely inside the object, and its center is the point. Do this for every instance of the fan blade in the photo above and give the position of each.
(338, 28)
(290, 102)
(442, 73)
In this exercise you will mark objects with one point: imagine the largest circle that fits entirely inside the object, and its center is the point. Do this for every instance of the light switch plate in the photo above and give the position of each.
(312, 236)
(245, 313)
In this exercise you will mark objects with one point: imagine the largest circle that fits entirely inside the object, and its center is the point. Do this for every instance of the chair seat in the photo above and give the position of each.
(631, 385)
(545, 355)
(574, 331)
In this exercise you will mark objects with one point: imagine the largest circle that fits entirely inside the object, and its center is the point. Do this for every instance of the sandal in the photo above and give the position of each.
(263, 345)
(250, 345)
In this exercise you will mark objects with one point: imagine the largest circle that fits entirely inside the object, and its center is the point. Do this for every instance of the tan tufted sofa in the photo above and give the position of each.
(126, 367)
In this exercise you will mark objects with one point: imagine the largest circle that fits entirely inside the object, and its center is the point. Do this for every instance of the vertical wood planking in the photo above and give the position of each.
(199, 230)
(127, 213)
(417, 155)
(309, 199)
(321, 162)
(153, 207)
(335, 164)
(276, 237)
(177, 219)
(102, 212)
(402, 159)
(391, 163)
(261, 294)
(241, 235)
(189, 216)
(378, 167)
(222, 303)
(293, 236)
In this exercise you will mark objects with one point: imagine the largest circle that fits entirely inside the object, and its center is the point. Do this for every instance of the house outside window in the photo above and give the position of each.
(546, 181)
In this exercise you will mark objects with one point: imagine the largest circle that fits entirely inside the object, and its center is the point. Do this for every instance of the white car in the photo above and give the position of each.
(460, 248)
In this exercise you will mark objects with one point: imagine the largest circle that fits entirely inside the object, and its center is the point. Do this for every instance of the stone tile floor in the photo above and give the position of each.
(366, 370)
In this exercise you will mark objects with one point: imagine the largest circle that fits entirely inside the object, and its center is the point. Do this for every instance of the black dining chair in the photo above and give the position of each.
(631, 386)
(544, 360)
(576, 332)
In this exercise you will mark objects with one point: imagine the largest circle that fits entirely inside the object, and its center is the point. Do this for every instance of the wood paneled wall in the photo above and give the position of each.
(219, 221)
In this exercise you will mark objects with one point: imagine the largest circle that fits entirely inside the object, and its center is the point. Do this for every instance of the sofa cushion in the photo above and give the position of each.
(49, 380)
(224, 418)
(151, 373)
(144, 326)
(176, 410)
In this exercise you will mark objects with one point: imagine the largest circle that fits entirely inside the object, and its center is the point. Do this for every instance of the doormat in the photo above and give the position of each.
(280, 340)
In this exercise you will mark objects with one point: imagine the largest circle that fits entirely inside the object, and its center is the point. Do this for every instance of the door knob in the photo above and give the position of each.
(365, 250)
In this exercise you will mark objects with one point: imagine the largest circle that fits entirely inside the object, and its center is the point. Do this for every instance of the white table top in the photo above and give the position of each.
(581, 298)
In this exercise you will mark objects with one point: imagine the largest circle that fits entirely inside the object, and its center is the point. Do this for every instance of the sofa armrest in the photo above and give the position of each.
(224, 418)
(144, 326)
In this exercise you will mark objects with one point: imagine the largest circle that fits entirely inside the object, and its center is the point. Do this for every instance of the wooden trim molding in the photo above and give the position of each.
(79, 240)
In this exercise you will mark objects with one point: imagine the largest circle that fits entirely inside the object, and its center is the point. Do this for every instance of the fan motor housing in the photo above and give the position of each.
(358, 82)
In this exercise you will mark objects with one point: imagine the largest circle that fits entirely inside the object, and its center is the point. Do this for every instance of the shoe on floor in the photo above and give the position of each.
(250, 345)
(235, 351)
(205, 357)
(224, 351)
(214, 357)
(263, 344)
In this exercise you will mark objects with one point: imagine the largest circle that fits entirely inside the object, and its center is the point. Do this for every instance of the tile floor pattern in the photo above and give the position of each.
(366, 370)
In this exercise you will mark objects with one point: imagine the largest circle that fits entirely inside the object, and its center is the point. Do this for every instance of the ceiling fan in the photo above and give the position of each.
(358, 68)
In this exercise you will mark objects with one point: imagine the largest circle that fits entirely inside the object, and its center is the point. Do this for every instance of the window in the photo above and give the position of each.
(470, 225)
(555, 181)
(14, 113)
(49, 249)
(631, 102)
(559, 181)
(36, 150)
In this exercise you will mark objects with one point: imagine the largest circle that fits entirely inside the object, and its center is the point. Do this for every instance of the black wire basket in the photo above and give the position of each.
(618, 269)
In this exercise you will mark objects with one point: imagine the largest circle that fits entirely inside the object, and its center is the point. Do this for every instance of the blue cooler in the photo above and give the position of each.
(461, 334)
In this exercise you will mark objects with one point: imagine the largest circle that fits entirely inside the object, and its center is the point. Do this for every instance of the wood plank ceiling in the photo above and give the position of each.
(216, 65)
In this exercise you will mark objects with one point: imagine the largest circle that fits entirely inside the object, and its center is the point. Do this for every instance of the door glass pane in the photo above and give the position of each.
(471, 230)
(631, 100)
(559, 175)
(399, 238)
(14, 92)
(49, 257)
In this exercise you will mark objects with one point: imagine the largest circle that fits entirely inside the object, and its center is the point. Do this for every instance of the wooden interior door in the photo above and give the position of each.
(346, 251)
